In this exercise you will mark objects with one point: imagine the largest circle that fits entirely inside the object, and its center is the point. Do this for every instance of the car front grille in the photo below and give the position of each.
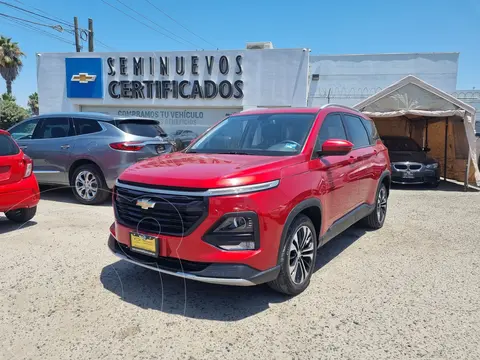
(407, 166)
(171, 214)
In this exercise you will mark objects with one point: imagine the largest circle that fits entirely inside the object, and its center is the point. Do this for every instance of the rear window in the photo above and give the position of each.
(147, 128)
(371, 130)
(8, 146)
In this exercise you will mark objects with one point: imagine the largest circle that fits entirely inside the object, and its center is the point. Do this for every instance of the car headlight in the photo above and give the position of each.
(432, 166)
(235, 231)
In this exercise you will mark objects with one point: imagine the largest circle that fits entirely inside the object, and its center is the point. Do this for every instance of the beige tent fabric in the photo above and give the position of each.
(412, 97)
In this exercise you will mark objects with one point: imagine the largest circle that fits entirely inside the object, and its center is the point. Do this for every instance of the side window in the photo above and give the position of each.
(332, 128)
(86, 126)
(356, 131)
(53, 128)
(24, 130)
(371, 130)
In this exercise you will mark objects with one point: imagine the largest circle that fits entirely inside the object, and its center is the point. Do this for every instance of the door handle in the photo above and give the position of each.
(64, 147)
(351, 160)
(23, 147)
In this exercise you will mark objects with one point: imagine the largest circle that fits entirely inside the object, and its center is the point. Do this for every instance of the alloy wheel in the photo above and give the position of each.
(86, 185)
(301, 254)
(382, 205)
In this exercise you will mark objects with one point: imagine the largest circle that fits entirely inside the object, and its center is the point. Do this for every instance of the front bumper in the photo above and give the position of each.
(213, 273)
(424, 176)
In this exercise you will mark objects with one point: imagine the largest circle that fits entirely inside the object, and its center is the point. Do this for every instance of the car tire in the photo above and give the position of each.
(377, 217)
(21, 215)
(300, 235)
(95, 190)
(434, 185)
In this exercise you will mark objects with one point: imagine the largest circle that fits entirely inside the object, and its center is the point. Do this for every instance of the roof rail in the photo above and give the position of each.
(339, 105)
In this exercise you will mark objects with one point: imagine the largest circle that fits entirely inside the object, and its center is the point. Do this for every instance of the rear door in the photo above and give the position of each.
(379, 159)
(148, 133)
(12, 167)
(361, 157)
(50, 149)
(331, 173)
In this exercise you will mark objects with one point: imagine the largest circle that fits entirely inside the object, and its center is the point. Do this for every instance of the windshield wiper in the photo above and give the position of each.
(233, 152)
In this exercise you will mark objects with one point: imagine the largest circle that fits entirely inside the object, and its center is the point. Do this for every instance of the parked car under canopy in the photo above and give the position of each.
(434, 119)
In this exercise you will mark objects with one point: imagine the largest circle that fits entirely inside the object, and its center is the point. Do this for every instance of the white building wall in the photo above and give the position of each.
(471, 97)
(349, 79)
(269, 78)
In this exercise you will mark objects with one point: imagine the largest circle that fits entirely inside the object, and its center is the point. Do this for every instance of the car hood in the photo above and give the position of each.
(412, 156)
(206, 171)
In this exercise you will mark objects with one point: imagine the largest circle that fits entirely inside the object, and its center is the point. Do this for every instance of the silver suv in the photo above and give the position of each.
(88, 151)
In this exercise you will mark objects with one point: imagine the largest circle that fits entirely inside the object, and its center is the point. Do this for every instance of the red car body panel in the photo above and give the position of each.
(16, 191)
(340, 186)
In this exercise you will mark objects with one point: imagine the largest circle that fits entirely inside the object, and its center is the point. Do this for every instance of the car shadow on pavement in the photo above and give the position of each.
(444, 186)
(151, 290)
(338, 244)
(7, 226)
(64, 194)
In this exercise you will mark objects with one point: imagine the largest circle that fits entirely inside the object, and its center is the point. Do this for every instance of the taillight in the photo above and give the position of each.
(28, 166)
(127, 146)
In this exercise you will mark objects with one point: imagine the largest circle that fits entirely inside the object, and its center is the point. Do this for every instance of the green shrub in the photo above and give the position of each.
(11, 113)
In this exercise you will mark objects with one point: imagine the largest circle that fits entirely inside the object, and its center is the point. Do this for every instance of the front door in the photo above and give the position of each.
(50, 148)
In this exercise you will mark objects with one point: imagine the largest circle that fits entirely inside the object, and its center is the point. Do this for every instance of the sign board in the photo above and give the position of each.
(171, 119)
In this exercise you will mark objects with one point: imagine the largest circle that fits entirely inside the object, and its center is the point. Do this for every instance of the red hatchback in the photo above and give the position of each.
(253, 198)
(19, 192)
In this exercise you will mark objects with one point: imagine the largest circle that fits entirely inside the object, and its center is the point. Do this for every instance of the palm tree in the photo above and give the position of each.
(10, 61)
(33, 103)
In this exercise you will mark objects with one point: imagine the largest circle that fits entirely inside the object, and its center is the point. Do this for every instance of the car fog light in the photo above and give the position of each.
(244, 245)
(236, 224)
(235, 231)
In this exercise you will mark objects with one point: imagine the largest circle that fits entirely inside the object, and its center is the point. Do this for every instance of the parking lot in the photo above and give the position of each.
(410, 290)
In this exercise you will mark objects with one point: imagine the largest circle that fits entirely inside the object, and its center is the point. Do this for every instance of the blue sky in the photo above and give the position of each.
(326, 27)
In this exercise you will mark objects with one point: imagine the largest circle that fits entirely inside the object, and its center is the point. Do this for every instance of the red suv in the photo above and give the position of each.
(252, 199)
(19, 192)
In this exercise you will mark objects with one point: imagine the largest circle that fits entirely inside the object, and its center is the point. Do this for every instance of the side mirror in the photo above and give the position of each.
(337, 147)
(426, 149)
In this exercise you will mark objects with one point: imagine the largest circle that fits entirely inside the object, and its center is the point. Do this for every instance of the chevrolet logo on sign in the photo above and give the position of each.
(84, 78)
(146, 204)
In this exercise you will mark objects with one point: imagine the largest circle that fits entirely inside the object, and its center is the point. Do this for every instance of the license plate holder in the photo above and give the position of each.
(144, 244)
(408, 175)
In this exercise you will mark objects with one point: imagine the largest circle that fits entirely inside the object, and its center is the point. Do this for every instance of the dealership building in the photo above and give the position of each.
(191, 90)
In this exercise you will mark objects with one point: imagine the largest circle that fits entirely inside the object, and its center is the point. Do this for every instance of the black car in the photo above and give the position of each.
(410, 163)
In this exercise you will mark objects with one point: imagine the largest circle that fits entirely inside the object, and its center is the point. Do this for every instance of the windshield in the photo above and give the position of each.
(401, 144)
(147, 128)
(260, 134)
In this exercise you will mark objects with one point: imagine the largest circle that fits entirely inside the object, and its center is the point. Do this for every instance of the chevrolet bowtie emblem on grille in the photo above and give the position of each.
(84, 78)
(146, 204)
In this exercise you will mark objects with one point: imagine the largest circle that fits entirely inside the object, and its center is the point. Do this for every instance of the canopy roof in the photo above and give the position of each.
(413, 98)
